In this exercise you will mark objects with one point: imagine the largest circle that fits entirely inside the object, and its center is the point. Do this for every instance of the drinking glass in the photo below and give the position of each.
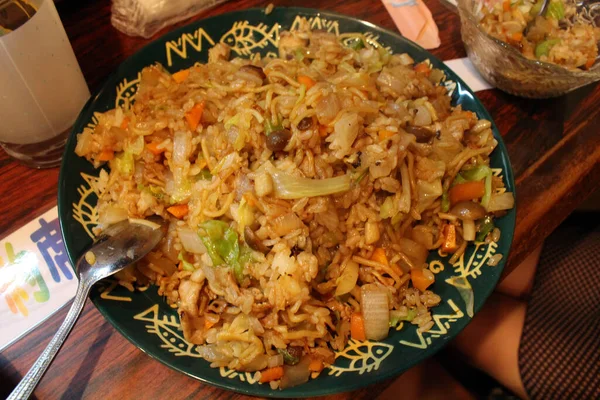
(42, 88)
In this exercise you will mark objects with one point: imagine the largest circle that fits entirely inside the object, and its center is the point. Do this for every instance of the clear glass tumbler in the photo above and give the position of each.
(42, 89)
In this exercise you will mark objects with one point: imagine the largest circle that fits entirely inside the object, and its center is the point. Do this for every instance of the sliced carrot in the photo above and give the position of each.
(315, 365)
(421, 279)
(517, 36)
(423, 68)
(249, 199)
(208, 324)
(357, 327)
(506, 5)
(106, 155)
(385, 134)
(181, 76)
(271, 374)
(590, 62)
(194, 116)
(306, 81)
(125, 123)
(449, 244)
(154, 149)
(323, 130)
(379, 256)
(466, 191)
(179, 210)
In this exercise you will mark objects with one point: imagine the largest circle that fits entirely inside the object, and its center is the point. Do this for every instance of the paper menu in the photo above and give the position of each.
(36, 278)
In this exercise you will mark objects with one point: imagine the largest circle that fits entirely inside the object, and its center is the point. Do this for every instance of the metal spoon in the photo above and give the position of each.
(542, 11)
(119, 245)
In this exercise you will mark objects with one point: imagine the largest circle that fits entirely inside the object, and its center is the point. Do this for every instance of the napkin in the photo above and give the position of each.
(414, 21)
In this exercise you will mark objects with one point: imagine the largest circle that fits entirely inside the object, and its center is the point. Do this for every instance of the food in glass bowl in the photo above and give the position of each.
(561, 35)
(304, 194)
(507, 68)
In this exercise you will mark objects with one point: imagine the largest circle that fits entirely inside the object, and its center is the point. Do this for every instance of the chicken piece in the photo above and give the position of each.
(219, 51)
(193, 328)
(289, 42)
(189, 293)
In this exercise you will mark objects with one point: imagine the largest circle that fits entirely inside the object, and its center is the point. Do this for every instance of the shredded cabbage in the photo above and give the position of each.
(188, 266)
(124, 163)
(396, 317)
(222, 244)
(292, 187)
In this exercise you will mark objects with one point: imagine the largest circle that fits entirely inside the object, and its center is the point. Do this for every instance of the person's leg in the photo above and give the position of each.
(426, 381)
(491, 341)
(519, 282)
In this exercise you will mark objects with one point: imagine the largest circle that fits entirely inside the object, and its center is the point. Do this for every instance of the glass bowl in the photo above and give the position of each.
(507, 69)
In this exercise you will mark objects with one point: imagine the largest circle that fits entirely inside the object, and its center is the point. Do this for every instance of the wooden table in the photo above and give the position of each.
(554, 146)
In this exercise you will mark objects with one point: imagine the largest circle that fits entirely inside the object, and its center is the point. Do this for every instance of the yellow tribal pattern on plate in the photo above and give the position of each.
(245, 39)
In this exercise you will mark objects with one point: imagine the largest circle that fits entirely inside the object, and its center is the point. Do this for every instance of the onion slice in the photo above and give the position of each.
(376, 311)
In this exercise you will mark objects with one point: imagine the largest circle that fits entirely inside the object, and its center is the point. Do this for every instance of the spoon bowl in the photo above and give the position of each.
(118, 246)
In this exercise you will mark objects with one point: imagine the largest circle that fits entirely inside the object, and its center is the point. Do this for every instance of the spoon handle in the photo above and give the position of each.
(29, 382)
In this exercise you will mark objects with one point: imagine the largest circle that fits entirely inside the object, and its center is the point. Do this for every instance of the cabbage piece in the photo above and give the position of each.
(501, 201)
(465, 290)
(124, 163)
(396, 316)
(555, 10)
(222, 244)
(292, 187)
(428, 192)
(344, 133)
(404, 203)
(355, 44)
(187, 266)
(387, 209)
(136, 146)
(179, 191)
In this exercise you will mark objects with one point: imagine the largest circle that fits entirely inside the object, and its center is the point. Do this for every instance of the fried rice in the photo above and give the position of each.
(564, 35)
(304, 194)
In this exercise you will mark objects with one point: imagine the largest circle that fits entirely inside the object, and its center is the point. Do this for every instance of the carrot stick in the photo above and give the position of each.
(271, 374)
(323, 130)
(423, 68)
(466, 191)
(106, 155)
(315, 365)
(357, 327)
(208, 324)
(385, 134)
(194, 116)
(590, 63)
(517, 36)
(125, 123)
(154, 149)
(421, 279)
(179, 210)
(181, 76)
(306, 81)
(379, 256)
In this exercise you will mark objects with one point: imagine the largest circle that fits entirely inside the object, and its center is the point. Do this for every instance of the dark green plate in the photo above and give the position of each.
(144, 317)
